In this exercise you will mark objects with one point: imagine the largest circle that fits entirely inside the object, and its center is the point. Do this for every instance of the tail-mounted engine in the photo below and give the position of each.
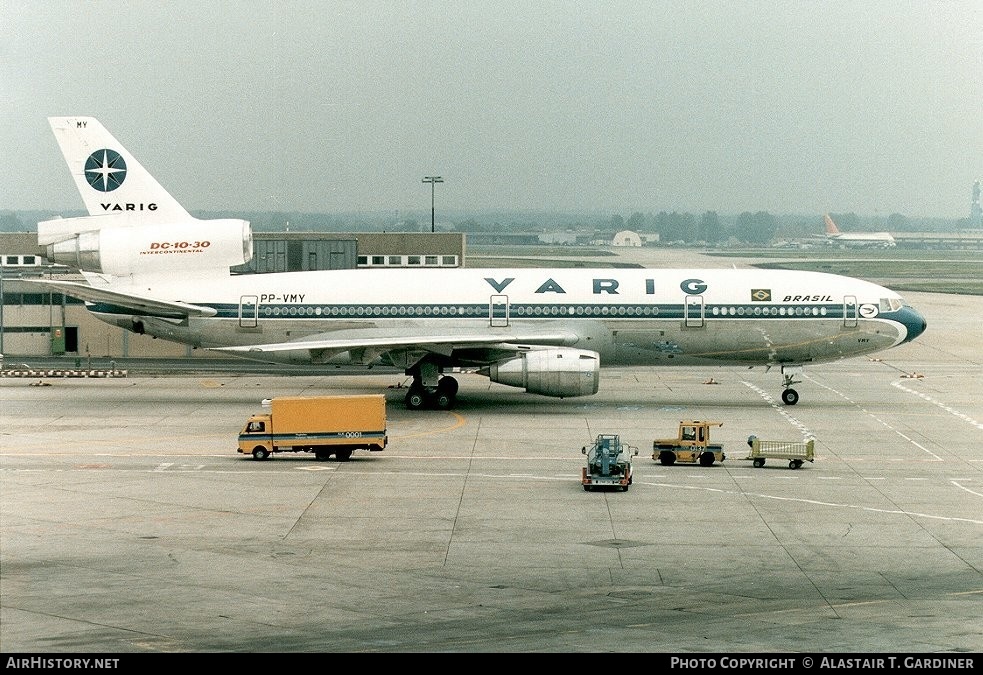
(559, 372)
(106, 245)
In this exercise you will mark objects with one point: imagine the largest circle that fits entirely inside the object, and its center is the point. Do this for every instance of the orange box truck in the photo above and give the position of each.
(323, 425)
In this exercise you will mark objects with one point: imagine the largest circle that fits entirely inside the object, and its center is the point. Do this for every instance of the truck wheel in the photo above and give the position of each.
(667, 457)
(260, 453)
(795, 463)
(321, 455)
(587, 488)
(706, 459)
(759, 462)
(343, 455)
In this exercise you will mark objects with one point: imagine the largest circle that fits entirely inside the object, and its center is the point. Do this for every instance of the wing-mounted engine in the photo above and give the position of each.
(107, 245)
(559, 372)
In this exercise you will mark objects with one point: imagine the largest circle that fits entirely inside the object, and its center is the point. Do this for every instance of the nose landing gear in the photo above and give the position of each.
(789, 395)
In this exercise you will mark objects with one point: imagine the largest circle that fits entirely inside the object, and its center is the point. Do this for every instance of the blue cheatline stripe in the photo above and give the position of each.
(538, 311)
(531, 311)
(305, 439)
(315, 436)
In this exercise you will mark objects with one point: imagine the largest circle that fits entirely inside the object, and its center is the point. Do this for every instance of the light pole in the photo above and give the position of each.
(432, 180)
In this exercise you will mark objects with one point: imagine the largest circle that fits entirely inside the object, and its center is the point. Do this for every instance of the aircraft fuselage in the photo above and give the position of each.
(629, 317)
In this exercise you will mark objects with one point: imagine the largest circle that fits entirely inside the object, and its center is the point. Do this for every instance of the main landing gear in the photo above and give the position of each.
(440, 397)
(430, 389)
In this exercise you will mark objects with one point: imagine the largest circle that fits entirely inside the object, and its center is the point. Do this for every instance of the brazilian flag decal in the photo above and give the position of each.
(760, 294)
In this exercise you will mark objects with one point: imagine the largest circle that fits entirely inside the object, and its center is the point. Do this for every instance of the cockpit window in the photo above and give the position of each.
(891, 304)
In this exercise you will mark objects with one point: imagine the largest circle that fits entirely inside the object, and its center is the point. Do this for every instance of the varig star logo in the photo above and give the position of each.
(105, 170)
(760, 294)
(868, 311)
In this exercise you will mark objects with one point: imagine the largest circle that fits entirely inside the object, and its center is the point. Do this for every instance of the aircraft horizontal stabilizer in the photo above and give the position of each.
(126, 301)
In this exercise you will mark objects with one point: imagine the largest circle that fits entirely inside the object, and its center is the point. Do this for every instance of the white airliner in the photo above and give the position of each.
(153, 269)
(879, 239)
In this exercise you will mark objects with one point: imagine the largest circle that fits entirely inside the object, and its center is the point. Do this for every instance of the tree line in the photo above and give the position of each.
(755, 228)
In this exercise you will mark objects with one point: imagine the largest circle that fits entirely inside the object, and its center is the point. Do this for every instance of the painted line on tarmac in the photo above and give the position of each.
(948, 409)
(780, 409)
(816, 502)
(963, 487)
(877, 419)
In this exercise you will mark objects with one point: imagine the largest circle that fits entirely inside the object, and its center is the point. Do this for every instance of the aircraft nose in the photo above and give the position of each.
(914, 322)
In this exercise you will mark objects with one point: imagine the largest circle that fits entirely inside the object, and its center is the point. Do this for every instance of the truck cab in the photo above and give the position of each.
(256, 437)
(691, 445)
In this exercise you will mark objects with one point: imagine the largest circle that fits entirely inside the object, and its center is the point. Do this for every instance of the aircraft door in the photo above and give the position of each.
(248, 311)
(849, 311)
(693, 311)
(498, 311)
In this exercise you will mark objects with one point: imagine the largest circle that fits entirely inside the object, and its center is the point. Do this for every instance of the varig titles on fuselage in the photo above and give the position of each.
(609, 286)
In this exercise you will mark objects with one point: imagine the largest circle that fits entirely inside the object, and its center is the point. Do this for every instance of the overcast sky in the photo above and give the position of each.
(872, 107)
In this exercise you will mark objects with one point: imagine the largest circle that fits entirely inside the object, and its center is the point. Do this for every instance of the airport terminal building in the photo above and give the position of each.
(34, 323)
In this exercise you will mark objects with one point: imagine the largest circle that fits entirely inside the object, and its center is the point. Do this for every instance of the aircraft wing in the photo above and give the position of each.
(136, 304)
(378, 341)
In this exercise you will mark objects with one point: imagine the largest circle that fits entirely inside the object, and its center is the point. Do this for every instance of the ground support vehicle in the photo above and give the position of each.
(608, 463)
(323, 425)
(691, 445)
(795, 453)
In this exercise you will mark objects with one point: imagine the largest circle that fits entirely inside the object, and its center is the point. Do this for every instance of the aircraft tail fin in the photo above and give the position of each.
(831, 228)
(110, 180)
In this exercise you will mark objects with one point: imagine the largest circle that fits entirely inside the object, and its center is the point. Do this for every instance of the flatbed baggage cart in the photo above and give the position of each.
(795, 452)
